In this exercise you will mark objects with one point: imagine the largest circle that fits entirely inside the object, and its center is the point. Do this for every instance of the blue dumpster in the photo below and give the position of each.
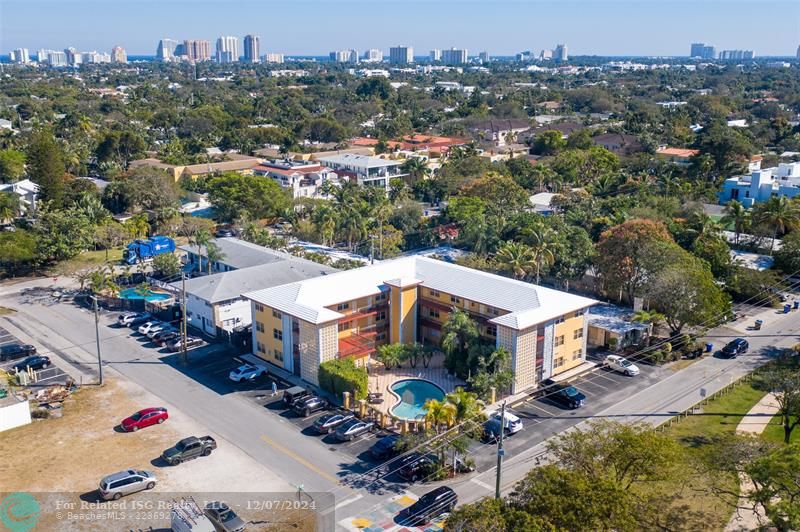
(796, 305)
(709, 347)
(787, 308)
(759, 323)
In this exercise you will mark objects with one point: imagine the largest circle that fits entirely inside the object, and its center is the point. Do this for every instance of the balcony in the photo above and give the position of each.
(357, 345)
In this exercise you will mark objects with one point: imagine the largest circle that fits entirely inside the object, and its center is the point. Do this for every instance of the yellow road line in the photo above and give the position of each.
(300, 459)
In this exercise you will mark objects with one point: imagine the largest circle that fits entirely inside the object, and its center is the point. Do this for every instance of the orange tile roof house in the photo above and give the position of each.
(242, 164)
(677, 155)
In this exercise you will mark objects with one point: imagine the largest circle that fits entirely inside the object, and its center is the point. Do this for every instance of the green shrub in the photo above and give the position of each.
(342, 375)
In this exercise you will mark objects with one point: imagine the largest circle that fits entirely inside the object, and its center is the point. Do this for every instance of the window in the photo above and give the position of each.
(380, 316)
(259, 308)
(454, 299)
(276, 314)
(433, 293)
(491, 330)
(433, 313)
(493, 311)
(380, 297)
(558, 320)
(576, 354)
(559, 340)
(559, 362)
(343, 327)
(260, 348)
(278, 355)
(277, 334)
(578, 333)
(343, 306)
(580, 312)
(259, 326)
(380, 337)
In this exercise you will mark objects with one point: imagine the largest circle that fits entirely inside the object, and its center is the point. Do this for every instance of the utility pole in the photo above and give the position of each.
(97, 338)
(500, 451)
(184, 354)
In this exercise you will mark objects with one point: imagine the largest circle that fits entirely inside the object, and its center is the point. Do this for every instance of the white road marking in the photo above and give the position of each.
(481, 483)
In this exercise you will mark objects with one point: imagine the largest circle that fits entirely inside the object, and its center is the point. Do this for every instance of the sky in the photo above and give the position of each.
(501, 27)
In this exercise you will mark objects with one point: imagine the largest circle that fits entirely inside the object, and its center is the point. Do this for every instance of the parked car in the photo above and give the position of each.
(16, 350)
(223, 518)
(191, 343)
(387, 447)
(126, 482)
(511, 425)
(165, 327)
(352, 429)
(329, 422)
(247, 372)
(566, 395)
(35, 363)
(735, 348)
(290, 395)
(140, 319)
(416, 466)
(145, 418)
(305, 406)
(145, 327)
(433, 504)
(166, 336)
(622, 364)
(188, 449)
(128, 318)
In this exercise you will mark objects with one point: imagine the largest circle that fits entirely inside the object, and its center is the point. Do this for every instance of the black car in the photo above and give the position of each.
(566, 395)
(16, 350)
(223, 518)
(735, 348)
(295, 393)
(387, 447)
(305, 406)
(417, 466)
(432, 504)
(329, 422)
(165, 337)
(35, 362)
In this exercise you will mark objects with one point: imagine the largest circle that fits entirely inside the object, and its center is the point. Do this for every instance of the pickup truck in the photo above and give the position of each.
(189, 448)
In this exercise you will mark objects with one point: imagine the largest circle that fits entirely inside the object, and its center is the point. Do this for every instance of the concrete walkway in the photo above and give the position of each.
(753, 423)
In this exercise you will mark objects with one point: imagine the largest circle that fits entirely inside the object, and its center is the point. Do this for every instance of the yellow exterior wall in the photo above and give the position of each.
(395, 315)
(571, 344)
(267, 338)
(409, 316)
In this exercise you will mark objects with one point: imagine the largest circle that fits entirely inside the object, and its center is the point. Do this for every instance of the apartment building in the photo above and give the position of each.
(454, 56)
(252, 47)
(302, 178)
(350, 314)
(401, 55)
(368, 171)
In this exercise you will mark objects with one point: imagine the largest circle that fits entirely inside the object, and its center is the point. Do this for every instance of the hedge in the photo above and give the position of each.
(342, 375)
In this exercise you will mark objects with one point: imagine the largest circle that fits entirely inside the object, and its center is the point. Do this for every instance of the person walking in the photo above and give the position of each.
(274, 388)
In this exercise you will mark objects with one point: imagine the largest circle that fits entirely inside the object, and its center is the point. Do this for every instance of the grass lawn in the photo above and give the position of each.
(88, 259)
(774, 432)
(696, 435)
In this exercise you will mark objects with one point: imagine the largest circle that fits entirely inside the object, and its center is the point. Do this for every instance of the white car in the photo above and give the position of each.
(127, 317)
(247, 372)
(622, 364)
(158, 328)
(512, 423)
(144, 329)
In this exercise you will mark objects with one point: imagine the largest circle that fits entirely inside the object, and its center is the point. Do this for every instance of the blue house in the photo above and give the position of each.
(762, 184)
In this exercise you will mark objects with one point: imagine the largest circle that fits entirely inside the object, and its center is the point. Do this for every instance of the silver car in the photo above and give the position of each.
(126, 482)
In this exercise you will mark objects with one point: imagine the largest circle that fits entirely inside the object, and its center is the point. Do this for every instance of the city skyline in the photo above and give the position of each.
(590, 30)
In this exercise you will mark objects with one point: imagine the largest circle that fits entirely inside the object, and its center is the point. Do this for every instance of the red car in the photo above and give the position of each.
(144, 418)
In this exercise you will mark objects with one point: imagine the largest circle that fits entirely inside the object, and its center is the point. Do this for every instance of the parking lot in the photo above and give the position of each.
(44, 377)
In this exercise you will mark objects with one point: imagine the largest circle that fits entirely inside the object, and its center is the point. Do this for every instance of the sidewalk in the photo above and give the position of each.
(753, 423)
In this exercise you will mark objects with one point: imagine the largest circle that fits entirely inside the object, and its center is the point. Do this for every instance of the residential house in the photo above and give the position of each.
(762, 184)
(500, 131)
(241, 164)
(611, 327)
(619, 143)
(366, 170)
(677, 156)
(236, 255)
(302, 179)
(350, 314)
(27, 190)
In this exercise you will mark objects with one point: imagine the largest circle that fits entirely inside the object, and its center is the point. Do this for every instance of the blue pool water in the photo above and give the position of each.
(412, 395)
(132, 293)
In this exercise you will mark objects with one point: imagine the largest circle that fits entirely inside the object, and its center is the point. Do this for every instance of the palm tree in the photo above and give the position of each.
(515, 258)
(201, 239)
(9, 206)
(779, 212)
(416, 168)
(467, 404)
(458, 332)
(542, 241)
(649, 317)
(439, 414)
(352, 224)
(391, 355)
(381, 213)
(213, 254)
(737, 215)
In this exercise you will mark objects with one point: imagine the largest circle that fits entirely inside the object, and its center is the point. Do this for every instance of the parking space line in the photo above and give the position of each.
(300, 459)
(606, 377)
(593, 383)
(539, 408)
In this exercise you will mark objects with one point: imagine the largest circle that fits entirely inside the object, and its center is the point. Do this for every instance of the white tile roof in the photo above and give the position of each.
(527, 304)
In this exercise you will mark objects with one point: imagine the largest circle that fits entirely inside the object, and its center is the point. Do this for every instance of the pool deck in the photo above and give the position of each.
(380, 379)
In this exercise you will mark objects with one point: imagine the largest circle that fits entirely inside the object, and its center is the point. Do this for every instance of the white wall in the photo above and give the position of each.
(238, 310)
(14, 415)
(198, 310)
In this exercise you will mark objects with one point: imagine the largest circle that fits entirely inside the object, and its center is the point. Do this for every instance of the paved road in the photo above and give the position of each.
(242, 415)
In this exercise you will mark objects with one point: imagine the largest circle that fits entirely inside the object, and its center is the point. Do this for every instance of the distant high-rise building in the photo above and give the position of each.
(95, 57)
(736, 54)
(74, 57)
(702, 50)
(798, 51)
(436, 55)
(546, 55)
(166, 50)
(52, 57)
(118, 55)
(344, 56)
(197, 50)
(20, 56)
(454, 56)
(273, 58)
(483, 57)
(252, 48)
(401, 55)
(560, 53)
(373, 55)
(697, 49)
(227, 49)
(524, 56)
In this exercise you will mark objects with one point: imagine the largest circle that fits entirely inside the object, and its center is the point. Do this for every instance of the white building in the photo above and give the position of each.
(27, 190)
(252, 45)
(372, 73)
(288, 73)
(227, 49)
(166, 49)
(303, 179)
(762, 184)
(560, 53)
(344, 56)
(119, 55)
(373, 55)
(53, 58)
(454, 56)
(483, 57)
(401, 55)
(20, 56)
(273, 58)
(736, 54)
(368, 171)
(436, 55)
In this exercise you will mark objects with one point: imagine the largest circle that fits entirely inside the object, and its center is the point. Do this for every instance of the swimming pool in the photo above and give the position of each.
(133, 293)
(412, 395)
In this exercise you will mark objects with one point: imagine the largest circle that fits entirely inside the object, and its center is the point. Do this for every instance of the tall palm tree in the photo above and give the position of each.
(381, 213)
(439, 414)
(9, 206)
(701, 224)
(738, 216)
(416, 168)
(515, 258)
(779, 212)
(543, 243)
(201, 239)
(213, 254)
(650, 317)
(467, 404)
